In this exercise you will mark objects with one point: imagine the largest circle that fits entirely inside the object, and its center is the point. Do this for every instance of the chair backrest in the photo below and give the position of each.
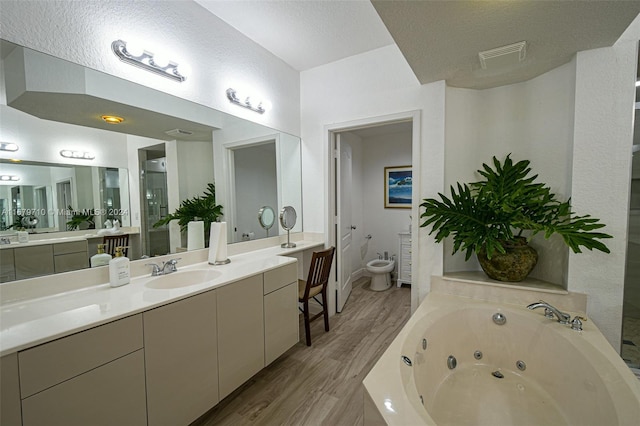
(319, 270)
(113, 241)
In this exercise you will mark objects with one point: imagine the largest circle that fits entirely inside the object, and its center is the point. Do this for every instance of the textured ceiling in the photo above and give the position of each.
(441, 39)
(306, 34)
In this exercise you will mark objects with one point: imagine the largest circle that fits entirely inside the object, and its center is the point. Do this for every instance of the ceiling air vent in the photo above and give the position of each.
(504, 56)
(178, 132)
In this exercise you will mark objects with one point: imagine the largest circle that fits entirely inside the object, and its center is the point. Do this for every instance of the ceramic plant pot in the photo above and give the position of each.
(512, 266)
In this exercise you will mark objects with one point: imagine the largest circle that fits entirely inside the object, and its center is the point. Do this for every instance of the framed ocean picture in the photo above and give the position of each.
(397, 187)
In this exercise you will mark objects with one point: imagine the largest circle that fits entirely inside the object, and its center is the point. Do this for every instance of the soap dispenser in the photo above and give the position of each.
(102, 258)
(119, 273)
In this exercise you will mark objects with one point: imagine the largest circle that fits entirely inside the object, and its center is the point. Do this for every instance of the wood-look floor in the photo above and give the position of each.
(321, 384)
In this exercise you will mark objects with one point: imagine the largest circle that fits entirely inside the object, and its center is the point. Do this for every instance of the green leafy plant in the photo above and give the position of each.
(202, 207)
(497, 210)
(80, 217)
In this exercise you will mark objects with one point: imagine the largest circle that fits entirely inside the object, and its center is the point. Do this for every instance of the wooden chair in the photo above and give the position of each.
(113, 241)
(315, 284)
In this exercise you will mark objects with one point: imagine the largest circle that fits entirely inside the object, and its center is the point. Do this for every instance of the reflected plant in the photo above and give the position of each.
(202, 207)
(80, 217)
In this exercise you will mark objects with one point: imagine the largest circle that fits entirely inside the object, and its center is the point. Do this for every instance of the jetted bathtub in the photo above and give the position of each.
(453, 364)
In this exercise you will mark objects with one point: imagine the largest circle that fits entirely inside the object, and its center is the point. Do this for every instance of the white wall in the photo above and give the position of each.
(532, 121)
(219, 56)
(195, 168)
(383, 223)
(374, 84)
(605, 94)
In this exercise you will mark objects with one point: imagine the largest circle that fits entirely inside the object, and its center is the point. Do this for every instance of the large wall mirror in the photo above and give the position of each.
(166, 150)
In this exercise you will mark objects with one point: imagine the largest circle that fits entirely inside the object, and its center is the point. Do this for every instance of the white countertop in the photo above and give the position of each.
(64, 237)
(30, 322)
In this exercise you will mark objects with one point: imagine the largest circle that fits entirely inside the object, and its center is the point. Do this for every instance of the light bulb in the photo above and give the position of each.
(134, 49)
(161, 60)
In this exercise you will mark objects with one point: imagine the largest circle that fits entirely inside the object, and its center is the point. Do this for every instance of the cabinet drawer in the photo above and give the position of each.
(71, 247)
(51, 363)
(278, 278)
(70, 262)
(113, 394)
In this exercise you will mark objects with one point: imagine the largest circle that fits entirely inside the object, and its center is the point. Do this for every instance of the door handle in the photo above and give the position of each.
(352, 227)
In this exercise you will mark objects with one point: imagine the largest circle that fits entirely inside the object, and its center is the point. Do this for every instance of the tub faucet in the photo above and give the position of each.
(551, 311)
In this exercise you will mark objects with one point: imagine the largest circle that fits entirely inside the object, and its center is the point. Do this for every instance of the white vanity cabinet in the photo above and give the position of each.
(404, 259)
(240, 332)
(181, 359)
(93, 377)
(165, 366)
(281, 330)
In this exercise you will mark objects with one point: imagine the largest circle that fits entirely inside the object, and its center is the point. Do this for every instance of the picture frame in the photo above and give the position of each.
(398, 187)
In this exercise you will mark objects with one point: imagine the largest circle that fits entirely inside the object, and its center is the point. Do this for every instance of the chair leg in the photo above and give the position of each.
(325, 309)
(307, 325)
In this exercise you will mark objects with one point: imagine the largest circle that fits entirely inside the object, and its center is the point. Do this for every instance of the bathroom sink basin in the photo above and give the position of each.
(183, 279)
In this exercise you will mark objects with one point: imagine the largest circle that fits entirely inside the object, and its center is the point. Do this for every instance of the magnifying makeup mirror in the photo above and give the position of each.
(266, 218)
(288, 218)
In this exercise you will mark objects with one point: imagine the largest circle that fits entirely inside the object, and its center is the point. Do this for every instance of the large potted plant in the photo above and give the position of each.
(496, 217)
(203, 208)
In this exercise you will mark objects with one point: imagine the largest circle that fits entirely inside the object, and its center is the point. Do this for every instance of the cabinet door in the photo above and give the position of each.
(7, 271)
(33, 261)
(112, 394)
(9, 391)
(280, 321)
(181, 360)
(240, 332)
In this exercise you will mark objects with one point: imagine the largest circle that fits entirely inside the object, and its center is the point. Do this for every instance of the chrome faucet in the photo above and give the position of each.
(551, 311)
(167, 267)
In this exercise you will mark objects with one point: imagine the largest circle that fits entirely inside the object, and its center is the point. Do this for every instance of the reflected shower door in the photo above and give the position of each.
(154, 184)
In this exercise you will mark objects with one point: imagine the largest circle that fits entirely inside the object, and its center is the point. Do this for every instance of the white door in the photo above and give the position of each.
(343, 221)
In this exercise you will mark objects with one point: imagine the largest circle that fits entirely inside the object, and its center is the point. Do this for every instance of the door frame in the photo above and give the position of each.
(330, 193)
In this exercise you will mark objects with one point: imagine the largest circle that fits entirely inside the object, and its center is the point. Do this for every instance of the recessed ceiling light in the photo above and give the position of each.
(8, 146)
(112, 119)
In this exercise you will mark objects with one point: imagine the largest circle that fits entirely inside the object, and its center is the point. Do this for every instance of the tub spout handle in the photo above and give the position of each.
(576, 323)
(551, 311)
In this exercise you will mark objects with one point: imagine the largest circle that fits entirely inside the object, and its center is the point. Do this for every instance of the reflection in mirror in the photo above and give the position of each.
(55, 197)
(48, 105)
(266, 217)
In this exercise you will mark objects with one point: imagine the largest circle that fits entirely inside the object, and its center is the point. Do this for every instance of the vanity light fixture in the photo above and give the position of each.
(79, 155)
(147, 60)
(8, 146)
(112, 119)
(253, 104)
(9, 178)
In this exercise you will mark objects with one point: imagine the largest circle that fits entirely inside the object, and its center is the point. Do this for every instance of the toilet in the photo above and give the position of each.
(380, 270)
